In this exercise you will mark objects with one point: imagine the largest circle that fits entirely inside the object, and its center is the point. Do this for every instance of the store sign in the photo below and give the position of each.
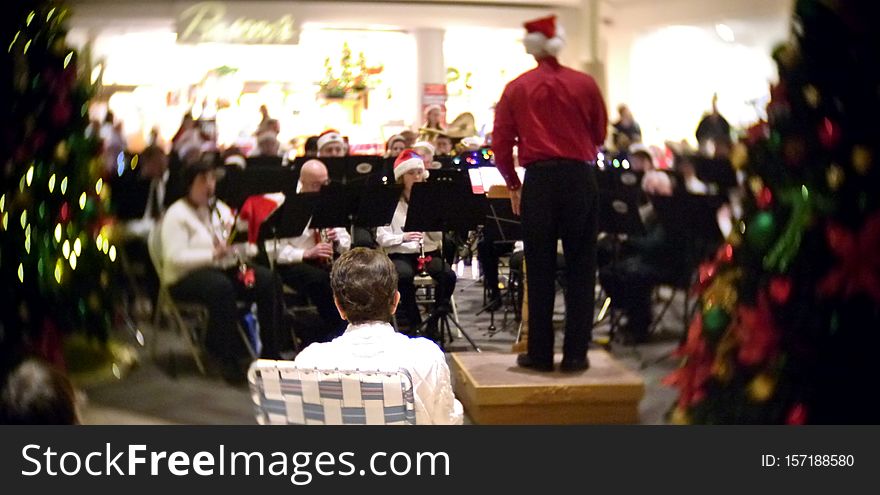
(212, 22)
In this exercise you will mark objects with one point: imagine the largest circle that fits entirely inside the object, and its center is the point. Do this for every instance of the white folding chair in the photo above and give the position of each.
(283, 393)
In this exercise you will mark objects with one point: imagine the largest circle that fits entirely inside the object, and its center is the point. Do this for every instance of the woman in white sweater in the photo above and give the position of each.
(404, 248)
(200, 266)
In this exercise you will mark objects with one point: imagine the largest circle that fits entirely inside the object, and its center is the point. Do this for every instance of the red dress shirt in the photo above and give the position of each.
(549, 112)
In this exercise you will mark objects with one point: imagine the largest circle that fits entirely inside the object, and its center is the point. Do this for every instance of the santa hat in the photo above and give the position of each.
(408, 160)
(544, 37)
(330, 136)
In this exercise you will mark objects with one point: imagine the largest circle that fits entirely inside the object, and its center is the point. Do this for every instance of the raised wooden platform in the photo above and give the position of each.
(494, 390)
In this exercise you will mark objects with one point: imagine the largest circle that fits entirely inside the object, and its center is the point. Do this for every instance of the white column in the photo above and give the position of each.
(431, 65)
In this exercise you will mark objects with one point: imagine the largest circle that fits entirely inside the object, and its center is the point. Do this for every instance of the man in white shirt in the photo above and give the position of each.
(303, 262)
(364, 285)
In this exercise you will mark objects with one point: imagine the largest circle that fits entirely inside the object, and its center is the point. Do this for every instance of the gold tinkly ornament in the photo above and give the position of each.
(679, 416)
(739, 158)
(861, 159)
(835, 176)
(811, 94)
(756, 185)
(61, 152)
(722, 292)
(721, 369)
(762, 387)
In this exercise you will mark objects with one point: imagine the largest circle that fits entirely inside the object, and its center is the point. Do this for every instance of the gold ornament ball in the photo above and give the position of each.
(739, 158)
(679, 416)
(756, 185)
(762, 387)
(862, 159)
(61, 152)
(835, 176)
(811, 94)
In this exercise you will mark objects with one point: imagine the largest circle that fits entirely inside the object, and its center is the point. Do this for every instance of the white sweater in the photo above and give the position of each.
(390, 238)
(376, 346)
(187, 238)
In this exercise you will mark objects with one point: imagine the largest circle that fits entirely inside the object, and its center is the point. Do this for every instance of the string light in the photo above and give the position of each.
(67, 59)
(58, 232)
(30, 18)
(50, 14)
(21, 273)
(134, 162)
(23, 218)
(27, 46)
(5, 220)
(99, 242)
(113, 253)
(14, 39)
(99, 186)
(65, 249)
(2, 203)
(77, 247)
(64, 185)
(73, 262)
(82, 201)
(52, 183)
(30, 175)
(58, 271)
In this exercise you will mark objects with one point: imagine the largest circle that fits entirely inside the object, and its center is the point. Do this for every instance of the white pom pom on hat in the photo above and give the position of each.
(543, 37)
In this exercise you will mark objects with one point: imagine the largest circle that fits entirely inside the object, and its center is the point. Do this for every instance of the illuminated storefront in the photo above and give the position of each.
(359, 68)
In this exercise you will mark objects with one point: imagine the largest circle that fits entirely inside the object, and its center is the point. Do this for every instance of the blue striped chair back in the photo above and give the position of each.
(283, 393)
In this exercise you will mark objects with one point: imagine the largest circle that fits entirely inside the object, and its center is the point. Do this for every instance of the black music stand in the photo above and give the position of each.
(238, 185)
(354, 169)
(619, 216)
(439, 207)
(502, 228)
(718, 171)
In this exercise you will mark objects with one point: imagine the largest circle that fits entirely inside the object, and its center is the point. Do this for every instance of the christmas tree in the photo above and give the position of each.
(56, 253)
(789, 327)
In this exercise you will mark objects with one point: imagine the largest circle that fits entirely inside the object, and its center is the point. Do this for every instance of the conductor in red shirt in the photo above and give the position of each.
(556, 118)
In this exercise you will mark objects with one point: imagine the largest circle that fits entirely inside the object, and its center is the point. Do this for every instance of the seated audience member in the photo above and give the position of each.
(303, 262)
(331, 144)
(34, 393)
(200, 266)
(404, 248)
(394, 146)
(364, 285)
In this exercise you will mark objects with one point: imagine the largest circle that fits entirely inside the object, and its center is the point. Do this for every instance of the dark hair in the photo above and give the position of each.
(364, 282)
(192, 171)
(151, 152)
(311, 146)
(35, 393)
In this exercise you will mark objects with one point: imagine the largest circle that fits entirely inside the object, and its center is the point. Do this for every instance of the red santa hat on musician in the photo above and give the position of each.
(544, 37)
(408, 160)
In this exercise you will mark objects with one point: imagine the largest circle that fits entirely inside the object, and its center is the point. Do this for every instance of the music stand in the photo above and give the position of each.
(718, 171)
(618, 214)
(263, 161)
(238, 185)
(439, 207)
(348, 169)
(501, 228)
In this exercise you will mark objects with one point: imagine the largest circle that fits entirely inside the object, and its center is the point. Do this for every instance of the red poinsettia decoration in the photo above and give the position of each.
(858, 268)
(423, 263)
(696, 371)
(756, 333)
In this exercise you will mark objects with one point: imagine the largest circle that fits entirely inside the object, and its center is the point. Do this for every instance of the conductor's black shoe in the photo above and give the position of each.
(574, 365)
(526, 361)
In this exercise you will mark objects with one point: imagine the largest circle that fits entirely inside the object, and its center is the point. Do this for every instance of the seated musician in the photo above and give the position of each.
(201, 266)
(331, 144)
(643, 262)
(304, 262)
(404, 248)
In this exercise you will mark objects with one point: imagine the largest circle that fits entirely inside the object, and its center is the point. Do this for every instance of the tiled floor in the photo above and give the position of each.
(173, 392)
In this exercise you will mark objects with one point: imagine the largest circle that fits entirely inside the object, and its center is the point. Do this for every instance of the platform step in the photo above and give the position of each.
(494, 390)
